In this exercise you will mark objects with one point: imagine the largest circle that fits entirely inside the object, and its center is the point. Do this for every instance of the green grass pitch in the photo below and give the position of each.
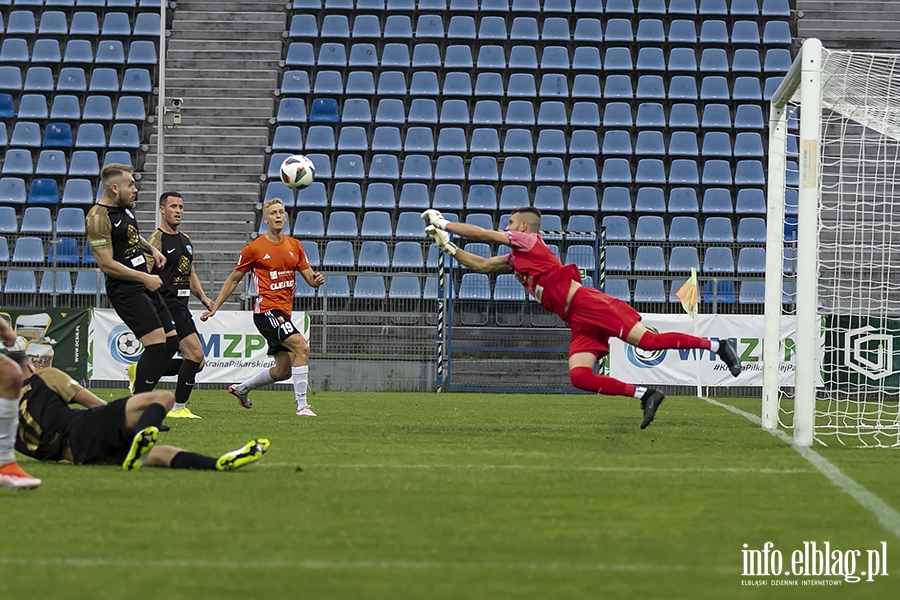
(395, 496)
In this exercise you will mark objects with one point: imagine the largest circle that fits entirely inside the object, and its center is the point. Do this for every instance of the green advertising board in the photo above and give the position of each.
(58, 336)
(862, 354)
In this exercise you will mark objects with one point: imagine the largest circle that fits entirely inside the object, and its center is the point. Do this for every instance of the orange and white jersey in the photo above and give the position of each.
(274, 266)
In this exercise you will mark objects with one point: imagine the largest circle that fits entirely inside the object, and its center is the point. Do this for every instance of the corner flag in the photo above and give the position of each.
(687, 293)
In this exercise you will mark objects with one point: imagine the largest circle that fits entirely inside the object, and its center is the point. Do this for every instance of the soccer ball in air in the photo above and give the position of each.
(297, 172)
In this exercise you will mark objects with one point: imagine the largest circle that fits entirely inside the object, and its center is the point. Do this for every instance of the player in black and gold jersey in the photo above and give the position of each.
(118, 247)
(123, 432)
(179, 282)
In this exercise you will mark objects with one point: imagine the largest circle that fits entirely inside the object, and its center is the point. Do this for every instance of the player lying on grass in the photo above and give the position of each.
(123, 432)
(593, 317)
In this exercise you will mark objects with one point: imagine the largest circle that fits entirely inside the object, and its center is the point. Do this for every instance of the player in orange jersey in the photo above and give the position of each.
(274, 258)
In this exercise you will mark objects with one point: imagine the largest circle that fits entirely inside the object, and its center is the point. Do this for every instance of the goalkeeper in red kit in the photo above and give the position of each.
(593, 317)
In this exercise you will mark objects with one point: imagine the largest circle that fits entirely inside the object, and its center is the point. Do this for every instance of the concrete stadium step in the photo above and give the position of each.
(213, 55)
(229, 45)
(236, 101)
(236, 12)
(256, 29)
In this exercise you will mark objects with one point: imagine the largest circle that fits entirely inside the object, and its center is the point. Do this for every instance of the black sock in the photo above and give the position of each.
(173, 367)
(186, 376)
(150, 367)
(172, 344)
(152, 417)
(192, 460)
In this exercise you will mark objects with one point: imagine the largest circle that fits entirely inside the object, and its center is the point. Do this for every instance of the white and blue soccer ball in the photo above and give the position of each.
(297, 171)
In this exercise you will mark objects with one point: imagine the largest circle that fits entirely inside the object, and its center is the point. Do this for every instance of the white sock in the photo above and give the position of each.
(713, 346)
(639, 392)
(257, 381)
(9, 426)
(301, 382)
(177, 406)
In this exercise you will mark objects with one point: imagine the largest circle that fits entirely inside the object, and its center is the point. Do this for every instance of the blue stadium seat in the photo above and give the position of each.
(295, 82)
(716, 116)
(650, 59)
(116, 24)
(618, 288)
(717, 200)
(414, 195)
(124, 135)
(61, 283)
(416, 166)
(683, 258)
(746, 88)
(136, 80)
(51, 162)
(582, 170)
(588, 30)
(649, 290)
(489, 84)
(43, 191)
(324, 110)
(615, 199)
(717, 172)
(457, 84)
(424, 83)
(716, 143)
(748, 116)
(777, 33)
(14, 50)
(523, 58)
(618, 86)
(524, 28)
(53, 22)
(312, 196)
(461, 28)
(617, 228)
(356, 110)
(513, 197)
(750, 201)
(70, 220)
(752, 292)
(423, 110)
(491, 57)
(778, 60)
(112, 52)
(332, 55)
(751, 230)
(17, 162)
(718, 260)
(618, 259)
(751, 260)
(649, 259)
(551, 141)
(458, 57)
(585, 114)
(20, 282)
(582, 256)
(619, 30)
(130, 108)
(548, 198)
(584, 141)
(366, 27)
(517, 141)
(683, 143)
(26, 134)
(10, 78)
(713, 7)
(650, 143)
(650, 171)
(620, 6)
(449, 168)
(581, 223)
(650, 228)
(515, 169)
(618, 114)
(555, 29)
(373, 255)
(618, 59)
(520, 85)
(342, 224)
(684, 229)
(650, 31)
(582, 198)
(745, 60)
(492, 28)
(300, 54)
(346, 194)
(362, 55)
(407, 255)
(338, 254)
(713, 60)
(683, 87)
(384, 166)
(146, 24)
(723, 293)
(98, 108)
(28, 250)
(682, 31)
(410, 225)
(309, 223)
(276, 189)
(335, 26)
(78, 191)
(650, 200)
(45, 51)
(714, 87)
(748, 144)
(683, 115)
(718, 230)
(749, 173)
(311, 249)
(745, 32)
(349, 166)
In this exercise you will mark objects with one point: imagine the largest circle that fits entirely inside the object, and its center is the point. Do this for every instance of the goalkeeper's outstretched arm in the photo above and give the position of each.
(478, 264)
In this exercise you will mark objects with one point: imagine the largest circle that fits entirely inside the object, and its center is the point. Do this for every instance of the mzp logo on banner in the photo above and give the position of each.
(233, 347)
(693, 367)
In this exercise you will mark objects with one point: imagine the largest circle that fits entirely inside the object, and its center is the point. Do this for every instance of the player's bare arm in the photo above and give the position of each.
(158, 257)
(479, 264)
(231, 282)
(197, 290)
(88, 399)
(311, 277)
(113, 268)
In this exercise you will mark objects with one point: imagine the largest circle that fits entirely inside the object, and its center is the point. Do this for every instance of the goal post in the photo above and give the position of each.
(840, 276)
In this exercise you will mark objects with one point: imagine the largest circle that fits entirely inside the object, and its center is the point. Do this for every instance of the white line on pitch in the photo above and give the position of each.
(487, 467)
(378, 565)
(887, 516)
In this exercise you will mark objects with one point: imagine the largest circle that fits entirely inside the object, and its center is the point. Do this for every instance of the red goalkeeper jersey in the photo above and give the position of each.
(538, 269)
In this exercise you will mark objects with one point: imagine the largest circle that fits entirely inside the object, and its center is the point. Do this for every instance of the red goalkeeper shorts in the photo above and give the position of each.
(594, 317)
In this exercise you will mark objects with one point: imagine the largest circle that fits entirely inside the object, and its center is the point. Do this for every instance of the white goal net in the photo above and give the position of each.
(840, 245)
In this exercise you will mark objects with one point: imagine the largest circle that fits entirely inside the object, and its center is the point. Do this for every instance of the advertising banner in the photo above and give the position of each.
(56, 337)
(700, 367)
(233, 347)
(863, 353)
